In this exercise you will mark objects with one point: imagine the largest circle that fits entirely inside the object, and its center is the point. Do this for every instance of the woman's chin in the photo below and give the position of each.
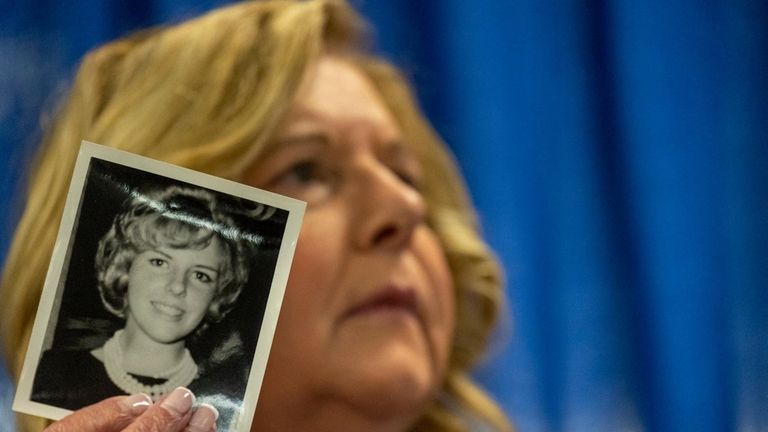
(386, 392)
(392, 402)
(390, 384)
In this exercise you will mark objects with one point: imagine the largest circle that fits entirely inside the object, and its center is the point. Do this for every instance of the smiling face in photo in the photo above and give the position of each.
(170, 289)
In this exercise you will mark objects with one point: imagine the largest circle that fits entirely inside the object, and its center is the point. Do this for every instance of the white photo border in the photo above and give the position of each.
(89, 151)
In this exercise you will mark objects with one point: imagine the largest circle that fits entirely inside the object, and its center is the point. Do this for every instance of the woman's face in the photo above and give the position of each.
(368, 314)
(169, 290)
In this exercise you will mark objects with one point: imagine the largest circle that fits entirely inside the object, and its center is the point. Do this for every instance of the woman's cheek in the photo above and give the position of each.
(311, 280)
(443, 295)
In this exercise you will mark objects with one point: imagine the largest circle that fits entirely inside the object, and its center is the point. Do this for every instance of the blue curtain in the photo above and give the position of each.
(618, 155)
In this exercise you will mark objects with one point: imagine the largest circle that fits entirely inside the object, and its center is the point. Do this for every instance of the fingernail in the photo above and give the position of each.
(136, 404)
(204, 418)
(179, 401)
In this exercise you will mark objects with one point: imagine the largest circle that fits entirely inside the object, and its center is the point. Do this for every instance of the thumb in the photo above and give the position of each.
(171, 414)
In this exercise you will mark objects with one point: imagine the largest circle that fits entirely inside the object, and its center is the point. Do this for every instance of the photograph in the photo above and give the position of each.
(157, 261)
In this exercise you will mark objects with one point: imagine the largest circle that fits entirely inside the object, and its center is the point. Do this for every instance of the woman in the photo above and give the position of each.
(167, 268)
(392, 293)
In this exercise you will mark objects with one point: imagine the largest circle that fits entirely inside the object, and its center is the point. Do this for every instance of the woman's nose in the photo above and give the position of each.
(389, 209)
(177, 283)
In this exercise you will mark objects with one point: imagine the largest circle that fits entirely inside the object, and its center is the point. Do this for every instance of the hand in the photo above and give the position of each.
(136, 413)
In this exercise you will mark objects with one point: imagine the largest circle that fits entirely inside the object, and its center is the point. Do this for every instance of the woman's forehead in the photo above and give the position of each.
(336, 90)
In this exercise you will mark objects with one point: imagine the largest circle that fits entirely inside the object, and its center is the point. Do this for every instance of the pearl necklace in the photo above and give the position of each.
(181, 374)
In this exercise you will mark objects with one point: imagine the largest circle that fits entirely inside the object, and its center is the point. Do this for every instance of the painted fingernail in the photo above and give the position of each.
(136, 404)
(179, 401)
(204, 418)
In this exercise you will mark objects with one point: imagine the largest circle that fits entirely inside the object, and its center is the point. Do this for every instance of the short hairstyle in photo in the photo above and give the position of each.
(175, 217)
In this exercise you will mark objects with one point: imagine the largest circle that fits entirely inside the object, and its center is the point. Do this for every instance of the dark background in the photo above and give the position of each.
(617, 151)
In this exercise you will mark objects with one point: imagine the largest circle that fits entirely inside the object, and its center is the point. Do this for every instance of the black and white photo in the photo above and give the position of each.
(157, 262)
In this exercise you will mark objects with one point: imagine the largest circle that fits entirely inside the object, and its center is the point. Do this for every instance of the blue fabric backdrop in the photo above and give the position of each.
(618, 155)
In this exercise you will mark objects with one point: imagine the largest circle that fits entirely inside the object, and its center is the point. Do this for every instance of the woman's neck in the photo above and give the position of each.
(323, 415)
(137, 348)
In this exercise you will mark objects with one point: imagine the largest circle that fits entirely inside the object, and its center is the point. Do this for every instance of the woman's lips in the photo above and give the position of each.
(170, 311)
(388, 299)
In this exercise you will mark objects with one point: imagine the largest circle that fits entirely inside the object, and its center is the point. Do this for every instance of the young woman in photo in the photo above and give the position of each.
(171, 263)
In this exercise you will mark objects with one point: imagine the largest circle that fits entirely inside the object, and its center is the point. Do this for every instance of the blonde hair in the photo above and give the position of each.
(208, 94)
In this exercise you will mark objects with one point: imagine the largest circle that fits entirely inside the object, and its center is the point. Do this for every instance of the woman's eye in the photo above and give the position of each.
(157, 262)
(304, 171)
(308, 180)
(202, 277)
(409, 179)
